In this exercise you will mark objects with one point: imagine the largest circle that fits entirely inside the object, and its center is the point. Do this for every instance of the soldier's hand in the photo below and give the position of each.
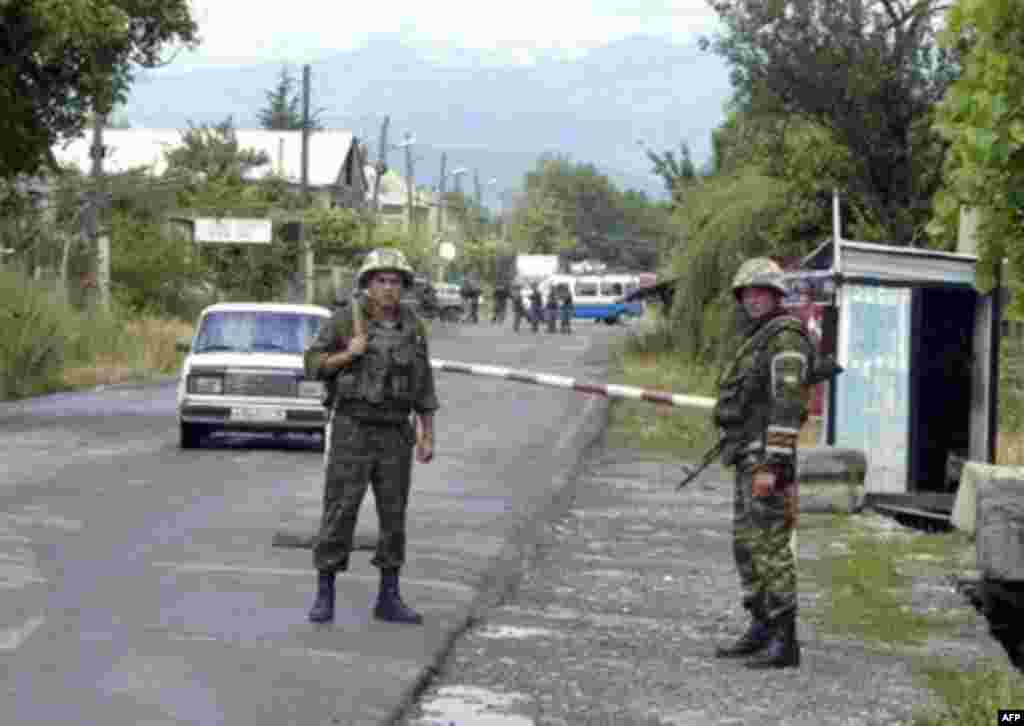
(764, 481)
(424, 448)
(357, 346)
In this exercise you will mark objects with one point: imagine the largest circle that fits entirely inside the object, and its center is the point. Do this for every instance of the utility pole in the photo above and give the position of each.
(478, 212)
(410, 181)
(440, 198)
(381, 169)
(303, 237)
(96, 202)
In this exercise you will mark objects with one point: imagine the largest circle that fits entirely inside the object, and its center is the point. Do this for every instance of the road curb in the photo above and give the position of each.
(503, 574)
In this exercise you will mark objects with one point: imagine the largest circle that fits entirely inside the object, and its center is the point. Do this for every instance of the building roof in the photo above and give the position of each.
(134, 148)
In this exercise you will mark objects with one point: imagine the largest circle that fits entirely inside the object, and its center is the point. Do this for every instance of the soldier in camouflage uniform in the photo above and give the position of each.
(374, 353)
(761, 406)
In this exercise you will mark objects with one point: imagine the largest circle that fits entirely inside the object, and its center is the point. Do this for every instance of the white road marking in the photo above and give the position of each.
(563, 440)
(12, 638)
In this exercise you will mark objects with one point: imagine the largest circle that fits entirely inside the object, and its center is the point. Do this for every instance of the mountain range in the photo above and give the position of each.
(487, 112)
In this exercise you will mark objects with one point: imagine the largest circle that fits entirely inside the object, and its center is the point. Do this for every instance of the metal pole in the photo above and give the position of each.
(381, 168)
(836, 221)
(97, 152)
(996, 334)
(409, 182)
(308, 248)
(440, 198)
(666, 398)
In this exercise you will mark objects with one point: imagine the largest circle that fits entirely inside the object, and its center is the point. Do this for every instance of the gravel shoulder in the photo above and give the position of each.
(616, 620)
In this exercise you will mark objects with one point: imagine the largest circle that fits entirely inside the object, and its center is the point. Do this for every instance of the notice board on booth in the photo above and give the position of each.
(873, 393)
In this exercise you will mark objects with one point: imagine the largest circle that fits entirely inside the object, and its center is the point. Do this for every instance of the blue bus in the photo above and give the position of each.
(596, 297)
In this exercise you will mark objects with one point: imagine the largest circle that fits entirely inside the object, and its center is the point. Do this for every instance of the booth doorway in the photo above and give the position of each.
(941, 355)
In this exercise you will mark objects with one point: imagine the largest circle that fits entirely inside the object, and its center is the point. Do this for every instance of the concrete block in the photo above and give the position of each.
(999, 518)
(965, 505)
(831, 479)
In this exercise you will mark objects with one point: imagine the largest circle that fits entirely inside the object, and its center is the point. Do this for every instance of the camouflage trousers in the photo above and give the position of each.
(358, 454)
(762, 528)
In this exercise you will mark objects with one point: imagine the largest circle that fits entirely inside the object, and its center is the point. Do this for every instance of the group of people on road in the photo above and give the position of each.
(559, 307)
(556, 311)
(374, 355)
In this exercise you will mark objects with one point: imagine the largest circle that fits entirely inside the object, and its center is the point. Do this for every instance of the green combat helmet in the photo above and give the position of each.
(758, 272)
(385, 259)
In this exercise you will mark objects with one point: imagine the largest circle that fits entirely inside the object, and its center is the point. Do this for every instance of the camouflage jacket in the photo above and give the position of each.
(384, 383)
(763, 392)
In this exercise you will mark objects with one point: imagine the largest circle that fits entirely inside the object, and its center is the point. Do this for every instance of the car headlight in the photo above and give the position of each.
(311, 389)
(209, 385)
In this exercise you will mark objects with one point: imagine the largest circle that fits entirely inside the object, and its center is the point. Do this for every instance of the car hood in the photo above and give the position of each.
(245, 360)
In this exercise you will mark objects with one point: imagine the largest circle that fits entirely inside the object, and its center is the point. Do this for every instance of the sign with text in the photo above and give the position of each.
(228, 230)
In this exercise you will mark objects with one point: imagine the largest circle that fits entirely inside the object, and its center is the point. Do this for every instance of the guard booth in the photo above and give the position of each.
(919, 347)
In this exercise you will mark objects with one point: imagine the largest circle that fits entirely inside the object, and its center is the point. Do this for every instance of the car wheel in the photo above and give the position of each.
(191, 435)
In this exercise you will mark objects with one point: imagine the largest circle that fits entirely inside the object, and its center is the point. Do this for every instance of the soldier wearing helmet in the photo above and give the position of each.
(374, 353)
(761, 406)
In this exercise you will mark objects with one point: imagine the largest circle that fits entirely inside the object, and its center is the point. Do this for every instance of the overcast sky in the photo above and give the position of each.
(241, 32)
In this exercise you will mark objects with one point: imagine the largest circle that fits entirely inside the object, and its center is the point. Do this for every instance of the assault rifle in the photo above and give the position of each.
(825, 369)
(708, 459)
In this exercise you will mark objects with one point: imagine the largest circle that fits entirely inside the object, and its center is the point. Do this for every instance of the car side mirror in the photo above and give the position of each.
(183, 344)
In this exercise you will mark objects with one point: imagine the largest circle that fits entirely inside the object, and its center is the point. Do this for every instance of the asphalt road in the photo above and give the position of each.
(139, 581)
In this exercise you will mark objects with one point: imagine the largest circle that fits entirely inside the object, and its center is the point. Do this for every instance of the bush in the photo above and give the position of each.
(35, 330)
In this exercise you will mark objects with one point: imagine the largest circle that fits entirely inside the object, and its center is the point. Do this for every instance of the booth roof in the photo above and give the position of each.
(872, 262)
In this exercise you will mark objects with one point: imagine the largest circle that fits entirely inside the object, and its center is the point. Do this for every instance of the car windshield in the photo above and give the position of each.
(248, 331)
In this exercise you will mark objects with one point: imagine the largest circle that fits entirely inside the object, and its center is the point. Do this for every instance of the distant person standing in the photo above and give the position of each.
(536, 308)
(470, 293)
(518, 306)
(567, 310)
(551, 309)
(500, 303)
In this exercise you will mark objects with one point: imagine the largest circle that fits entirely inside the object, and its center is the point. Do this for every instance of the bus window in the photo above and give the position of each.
(611, 289)
(586, 289)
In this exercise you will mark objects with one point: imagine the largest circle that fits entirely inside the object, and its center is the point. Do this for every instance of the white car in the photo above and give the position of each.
(244, 371)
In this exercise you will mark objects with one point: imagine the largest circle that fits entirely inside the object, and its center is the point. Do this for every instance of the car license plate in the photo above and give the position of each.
(257, 415)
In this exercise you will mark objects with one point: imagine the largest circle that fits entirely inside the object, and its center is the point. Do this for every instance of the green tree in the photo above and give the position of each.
(539, 226)
(212, 151)
(284, 105)
(869, 74)
(982, 117)
(677, 174)
(727, 219)
(65, 59)
(584, 198)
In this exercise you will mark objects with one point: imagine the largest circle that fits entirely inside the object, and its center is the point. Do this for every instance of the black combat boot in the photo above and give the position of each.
(389, 602)
(784, 649)
(323, 609)
(756, 639)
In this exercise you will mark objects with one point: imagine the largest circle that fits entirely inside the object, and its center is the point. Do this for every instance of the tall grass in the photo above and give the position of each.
(32, 346)
(49, 345)
(972, 698)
